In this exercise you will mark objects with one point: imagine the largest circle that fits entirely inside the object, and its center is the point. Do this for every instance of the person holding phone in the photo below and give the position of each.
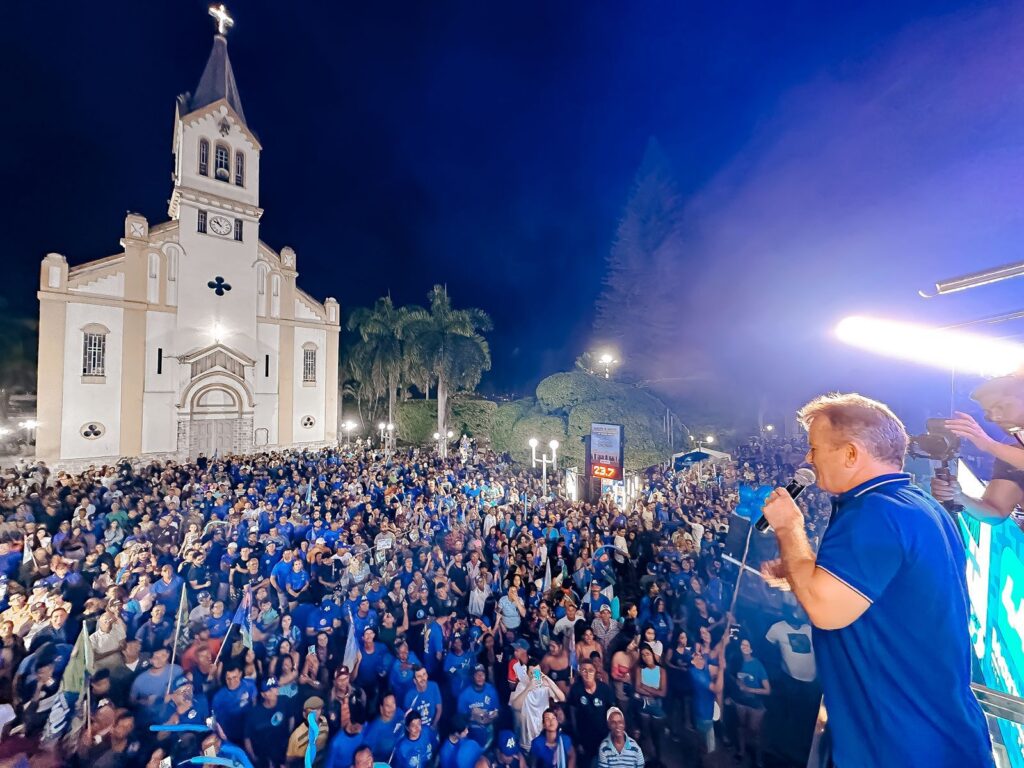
(531, 697)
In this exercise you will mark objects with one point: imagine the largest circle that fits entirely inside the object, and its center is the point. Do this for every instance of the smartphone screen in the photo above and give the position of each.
(536, 675)
(311, 650)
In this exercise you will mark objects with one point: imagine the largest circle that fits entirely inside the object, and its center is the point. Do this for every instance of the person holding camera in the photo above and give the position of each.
(1003, 402)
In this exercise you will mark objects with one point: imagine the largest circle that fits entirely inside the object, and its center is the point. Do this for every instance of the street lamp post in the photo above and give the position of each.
(708, 439)
(29, 426)
(544, 460)
(607, 360)
(442, 443)
(348, 426)
(389, 438)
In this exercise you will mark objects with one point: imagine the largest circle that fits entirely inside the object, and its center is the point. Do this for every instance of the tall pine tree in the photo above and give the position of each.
(633, 311)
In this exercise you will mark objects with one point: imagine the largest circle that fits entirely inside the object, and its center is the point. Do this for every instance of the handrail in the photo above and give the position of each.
(1004, 706)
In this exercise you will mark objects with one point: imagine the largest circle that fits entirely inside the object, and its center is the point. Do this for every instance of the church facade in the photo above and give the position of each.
(194, 337)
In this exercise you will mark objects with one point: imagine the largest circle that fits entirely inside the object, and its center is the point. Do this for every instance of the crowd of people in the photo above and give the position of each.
(350, 606)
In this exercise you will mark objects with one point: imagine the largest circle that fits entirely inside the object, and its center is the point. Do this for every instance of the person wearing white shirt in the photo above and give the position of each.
(532, 696)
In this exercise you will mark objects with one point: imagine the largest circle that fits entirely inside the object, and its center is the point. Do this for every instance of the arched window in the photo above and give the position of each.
(222, 160)
(94, 350)
(239, 169)
(275, 295)
(309, 363)
(204, 157)
(153, 283)
(261, 279)
(172, 252)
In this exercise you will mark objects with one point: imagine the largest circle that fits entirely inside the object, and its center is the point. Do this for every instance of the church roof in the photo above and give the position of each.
(218, 81)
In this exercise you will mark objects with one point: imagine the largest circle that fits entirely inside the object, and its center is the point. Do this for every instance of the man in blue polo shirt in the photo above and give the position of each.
(888, 583)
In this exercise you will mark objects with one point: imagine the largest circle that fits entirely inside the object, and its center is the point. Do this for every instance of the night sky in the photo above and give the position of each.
(823, 150)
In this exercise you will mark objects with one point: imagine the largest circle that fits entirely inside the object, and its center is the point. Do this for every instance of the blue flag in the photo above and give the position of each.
(314, 731)
(242, 619)
(752, 499)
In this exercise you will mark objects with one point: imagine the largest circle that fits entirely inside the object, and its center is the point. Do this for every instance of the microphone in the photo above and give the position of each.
(803, 478)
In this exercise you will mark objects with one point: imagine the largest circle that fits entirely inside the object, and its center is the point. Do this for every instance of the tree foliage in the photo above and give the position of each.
(395, 348)
(451, 345)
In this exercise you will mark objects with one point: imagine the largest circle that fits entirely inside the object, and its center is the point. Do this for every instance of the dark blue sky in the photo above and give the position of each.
(491, 146)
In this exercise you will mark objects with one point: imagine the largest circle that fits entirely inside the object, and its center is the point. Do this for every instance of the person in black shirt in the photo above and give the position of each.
(588, 702)
(1003, 401)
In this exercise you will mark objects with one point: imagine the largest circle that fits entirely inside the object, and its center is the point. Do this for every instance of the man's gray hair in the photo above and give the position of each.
(861, 420)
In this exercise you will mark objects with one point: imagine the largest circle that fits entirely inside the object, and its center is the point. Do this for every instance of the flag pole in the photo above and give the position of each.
(182, 605)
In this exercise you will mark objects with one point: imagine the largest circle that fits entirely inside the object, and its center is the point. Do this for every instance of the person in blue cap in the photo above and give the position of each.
(479, 704)
(506, 751)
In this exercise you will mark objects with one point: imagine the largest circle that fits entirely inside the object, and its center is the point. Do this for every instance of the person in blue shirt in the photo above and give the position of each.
(383, 733)
(296, 581)
(218, 622)
(457, 665)
(342, 750)
(888, 582)
(706, 683)
(479, 705)
(433, 644)
(365, 617)
(374, 664)
(425, 698)
(416, 748)
(752, 691)
(232, 703)
(458, 750)
(552, 748)
(400, 678)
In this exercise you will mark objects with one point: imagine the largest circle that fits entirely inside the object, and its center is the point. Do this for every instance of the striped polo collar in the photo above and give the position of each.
(894, 479)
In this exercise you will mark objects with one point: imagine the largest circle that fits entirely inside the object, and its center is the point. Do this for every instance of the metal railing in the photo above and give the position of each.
(995, 704)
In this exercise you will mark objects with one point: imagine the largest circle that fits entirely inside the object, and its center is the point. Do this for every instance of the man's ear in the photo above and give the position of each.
(851, 454)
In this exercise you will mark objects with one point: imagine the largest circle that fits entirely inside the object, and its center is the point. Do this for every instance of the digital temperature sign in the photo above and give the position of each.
(605, 455)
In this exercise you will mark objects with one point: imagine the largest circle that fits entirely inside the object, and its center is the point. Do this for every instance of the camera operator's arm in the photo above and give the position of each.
(994, 506)
(966, 427)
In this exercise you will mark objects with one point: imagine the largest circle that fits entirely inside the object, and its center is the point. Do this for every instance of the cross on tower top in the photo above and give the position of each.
(224, 21)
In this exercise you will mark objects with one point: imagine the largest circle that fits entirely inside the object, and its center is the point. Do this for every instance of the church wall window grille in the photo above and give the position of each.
(204, 157)
(238, 230)
(266, 367)
(92, 430)
(309, 365)
(222, 161)
(159, 360)
(239, 169)
(201, 222)
(308, 422)
(94, 353)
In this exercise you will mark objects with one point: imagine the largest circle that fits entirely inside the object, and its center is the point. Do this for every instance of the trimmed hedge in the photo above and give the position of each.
(472, 417)
(416, 421)
(565, 406)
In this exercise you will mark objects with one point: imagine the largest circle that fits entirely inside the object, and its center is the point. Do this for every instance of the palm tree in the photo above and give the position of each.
(449, 340)
(382, 330)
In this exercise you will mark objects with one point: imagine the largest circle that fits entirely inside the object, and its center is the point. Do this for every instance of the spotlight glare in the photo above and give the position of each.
(937, 347)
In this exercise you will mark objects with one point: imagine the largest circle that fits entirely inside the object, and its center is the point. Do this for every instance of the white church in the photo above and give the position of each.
(194, 337)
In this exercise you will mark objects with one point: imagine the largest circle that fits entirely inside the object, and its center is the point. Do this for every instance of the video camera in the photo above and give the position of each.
(941, 445)
(937, 443)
